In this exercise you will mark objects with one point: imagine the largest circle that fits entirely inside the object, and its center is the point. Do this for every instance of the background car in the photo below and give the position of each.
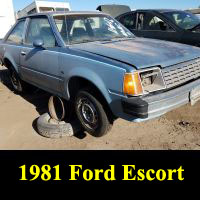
(172, 25)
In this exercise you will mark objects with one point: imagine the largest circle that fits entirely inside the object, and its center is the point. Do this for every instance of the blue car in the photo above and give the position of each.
(90, 59)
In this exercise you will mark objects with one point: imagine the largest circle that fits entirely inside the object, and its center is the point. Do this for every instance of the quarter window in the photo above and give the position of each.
(16, 35)
(40, 28)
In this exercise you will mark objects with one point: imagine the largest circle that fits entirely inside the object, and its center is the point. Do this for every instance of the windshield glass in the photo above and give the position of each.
(183, 19)
(85, 28)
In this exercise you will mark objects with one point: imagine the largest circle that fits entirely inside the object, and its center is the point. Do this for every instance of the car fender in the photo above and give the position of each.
(89, 75)
(11, 60)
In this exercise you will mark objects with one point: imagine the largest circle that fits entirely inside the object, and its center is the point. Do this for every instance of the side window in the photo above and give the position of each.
(129, 21)
(147, 21)
(40, 28)
(17, 34)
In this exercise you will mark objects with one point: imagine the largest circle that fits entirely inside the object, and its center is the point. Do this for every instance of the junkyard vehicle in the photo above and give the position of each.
(172, 25)
(90, 59)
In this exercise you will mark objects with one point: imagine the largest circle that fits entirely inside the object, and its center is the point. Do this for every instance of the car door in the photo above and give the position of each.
(150, 25)
(39, 66)
(191, 38)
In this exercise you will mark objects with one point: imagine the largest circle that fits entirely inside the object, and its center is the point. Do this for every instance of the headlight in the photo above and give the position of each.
(143, 82)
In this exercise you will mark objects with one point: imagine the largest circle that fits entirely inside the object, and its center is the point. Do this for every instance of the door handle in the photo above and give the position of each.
(23, 53)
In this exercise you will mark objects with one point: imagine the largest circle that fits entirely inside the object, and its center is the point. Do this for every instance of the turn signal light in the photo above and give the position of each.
(132, 84)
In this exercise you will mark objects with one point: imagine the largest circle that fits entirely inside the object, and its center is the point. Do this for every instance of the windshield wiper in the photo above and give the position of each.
(101, 40)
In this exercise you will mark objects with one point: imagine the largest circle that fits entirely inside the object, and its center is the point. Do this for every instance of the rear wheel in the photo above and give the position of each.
(91, 114)
(18, 85)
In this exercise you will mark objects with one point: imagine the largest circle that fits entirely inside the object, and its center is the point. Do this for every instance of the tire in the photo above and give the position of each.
(91, 114)
(53, 130)
(19, 86)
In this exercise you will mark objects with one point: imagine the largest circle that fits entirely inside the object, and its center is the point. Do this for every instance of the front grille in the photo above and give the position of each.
(181, 73)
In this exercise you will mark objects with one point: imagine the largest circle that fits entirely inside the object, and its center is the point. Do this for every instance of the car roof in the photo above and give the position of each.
(160, 10)
(65, 13)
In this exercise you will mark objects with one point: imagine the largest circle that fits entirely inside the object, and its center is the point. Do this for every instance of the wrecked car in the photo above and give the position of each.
(93, 61)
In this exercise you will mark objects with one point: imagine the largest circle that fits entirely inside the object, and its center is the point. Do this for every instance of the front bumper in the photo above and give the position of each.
(146, 108)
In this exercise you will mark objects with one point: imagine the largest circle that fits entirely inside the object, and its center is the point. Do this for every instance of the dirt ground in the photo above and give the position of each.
(179, 129)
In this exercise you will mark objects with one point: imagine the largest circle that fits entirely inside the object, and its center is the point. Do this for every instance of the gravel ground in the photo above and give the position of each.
(179, 129)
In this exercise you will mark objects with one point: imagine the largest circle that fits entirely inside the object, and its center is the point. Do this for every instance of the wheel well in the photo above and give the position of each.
(7, 63)
(78, 83)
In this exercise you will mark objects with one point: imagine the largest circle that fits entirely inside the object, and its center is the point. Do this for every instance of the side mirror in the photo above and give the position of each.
(38, 43)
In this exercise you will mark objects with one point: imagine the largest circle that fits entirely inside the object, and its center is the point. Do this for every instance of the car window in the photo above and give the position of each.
(183, 19)
(129, 21)
(81, 29)
(148, 21)
(39, 28)
(16, 35)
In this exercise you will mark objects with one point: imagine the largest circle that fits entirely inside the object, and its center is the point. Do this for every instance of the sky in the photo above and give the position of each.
(134, 4)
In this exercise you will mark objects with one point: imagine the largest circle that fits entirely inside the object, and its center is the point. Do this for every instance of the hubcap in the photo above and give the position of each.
(88, 113)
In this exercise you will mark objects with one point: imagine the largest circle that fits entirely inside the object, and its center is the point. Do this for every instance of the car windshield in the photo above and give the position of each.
(183, 19)
(89, 28)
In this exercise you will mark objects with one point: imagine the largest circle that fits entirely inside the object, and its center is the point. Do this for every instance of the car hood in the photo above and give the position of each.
(142, 52)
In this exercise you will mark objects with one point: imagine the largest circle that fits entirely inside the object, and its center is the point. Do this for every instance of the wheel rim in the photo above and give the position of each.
(56, 108)
(88, 113)
(14, 80)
